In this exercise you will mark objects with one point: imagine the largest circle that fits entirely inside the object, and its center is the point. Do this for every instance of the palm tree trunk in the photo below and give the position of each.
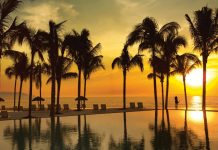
(204, 83)
(167, 91)
(84, 102)
(125, 138)
(79, 88)
(31, 86)
(124, 89)
(52, 111)
(40, 90)
(154, 80)
(58, 96)
(15, 89)
(162, 91)
(21, 84)
(206, 130)
(186, 100)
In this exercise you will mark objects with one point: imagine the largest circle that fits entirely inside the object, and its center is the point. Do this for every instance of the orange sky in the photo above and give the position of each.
(109, 23)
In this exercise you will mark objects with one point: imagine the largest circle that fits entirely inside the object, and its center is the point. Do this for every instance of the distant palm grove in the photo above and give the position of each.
(53, 54)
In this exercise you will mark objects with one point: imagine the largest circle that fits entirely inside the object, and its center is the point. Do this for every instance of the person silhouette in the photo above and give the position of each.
(176, 100)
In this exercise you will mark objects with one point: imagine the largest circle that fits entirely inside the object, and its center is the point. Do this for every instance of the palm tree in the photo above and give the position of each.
(126, 62)
(204, 30)
(183, 65)
(10, 72)
(33, 39)
(23, 73)
(150, 37)
(172, 42)
(13, 70)
(160, 67)
(63, 65)
(79, 44)
(51, 41)
(93, 63)
(8, 31)
(38, 70)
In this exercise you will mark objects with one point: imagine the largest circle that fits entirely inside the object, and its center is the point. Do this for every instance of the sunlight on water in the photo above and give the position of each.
(196, 103)
(195, 116)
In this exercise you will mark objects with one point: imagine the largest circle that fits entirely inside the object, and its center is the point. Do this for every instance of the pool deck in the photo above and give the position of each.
(45, 114)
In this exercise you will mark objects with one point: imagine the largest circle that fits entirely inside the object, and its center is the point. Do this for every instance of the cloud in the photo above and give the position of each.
(38, 13)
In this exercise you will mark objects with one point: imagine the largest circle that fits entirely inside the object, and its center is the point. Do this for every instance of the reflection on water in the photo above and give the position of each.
(196, 103)
(124, 131)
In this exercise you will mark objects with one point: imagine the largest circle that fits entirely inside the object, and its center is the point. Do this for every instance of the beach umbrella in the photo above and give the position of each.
(81, 98)
(1, 99)
(38, 99)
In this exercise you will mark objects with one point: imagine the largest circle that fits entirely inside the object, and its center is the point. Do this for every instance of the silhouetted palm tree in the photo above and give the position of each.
(51, 41)
(63, 65)
(150, 37)
(8, 31)
(13, 70)
(161, 69)
(38, 70)
(172, 42)
(183, 65)
(93, 63)
(23, 73)
(126, 62)
(33, 39)
(204, 30)
(79, 44)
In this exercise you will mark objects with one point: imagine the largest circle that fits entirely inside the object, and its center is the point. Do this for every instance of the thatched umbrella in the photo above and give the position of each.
(82, 98)
(38, 99)
(1, 99)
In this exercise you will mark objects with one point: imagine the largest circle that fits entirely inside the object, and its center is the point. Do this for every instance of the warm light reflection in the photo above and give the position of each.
(196, 103)
(195, 77)
(196, 116)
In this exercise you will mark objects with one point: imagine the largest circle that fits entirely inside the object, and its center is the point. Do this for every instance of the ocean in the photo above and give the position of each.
(194, 102)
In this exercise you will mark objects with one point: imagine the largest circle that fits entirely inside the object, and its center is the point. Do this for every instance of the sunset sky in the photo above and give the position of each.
(109, 22)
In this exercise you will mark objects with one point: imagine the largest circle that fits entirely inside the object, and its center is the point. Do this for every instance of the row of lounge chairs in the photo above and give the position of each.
(132, 105)
(41, 107)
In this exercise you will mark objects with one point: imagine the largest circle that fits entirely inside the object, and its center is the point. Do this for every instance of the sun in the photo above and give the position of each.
(195, 77)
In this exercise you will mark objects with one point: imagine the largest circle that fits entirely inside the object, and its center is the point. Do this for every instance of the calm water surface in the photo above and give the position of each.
(146, 130)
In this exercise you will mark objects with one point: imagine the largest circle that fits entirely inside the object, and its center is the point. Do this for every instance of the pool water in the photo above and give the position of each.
(173, 129)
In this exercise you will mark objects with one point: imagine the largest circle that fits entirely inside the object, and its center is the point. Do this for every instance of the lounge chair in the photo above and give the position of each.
(66, 107)
(49, 106)
(3, 107)
(95, 106)
(4, 114)
(33, 107)
(15, 108)
(42, 107)
(140, 105)
(103, 107)
(132, 105)
(59, 107)
(21, 108)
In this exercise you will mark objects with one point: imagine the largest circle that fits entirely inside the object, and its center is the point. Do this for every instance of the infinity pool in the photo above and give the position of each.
(146, 130)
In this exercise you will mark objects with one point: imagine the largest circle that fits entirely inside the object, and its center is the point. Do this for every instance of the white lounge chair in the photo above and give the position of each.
(140, 105)
(66, 107)
(3, 107)
(42, 107)
(103, 107)
(33, 107)
(132, 105)
(95, 106)
(49, 106)
(4, 114)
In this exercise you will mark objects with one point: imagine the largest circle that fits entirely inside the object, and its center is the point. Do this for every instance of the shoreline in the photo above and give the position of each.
(45, 114)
